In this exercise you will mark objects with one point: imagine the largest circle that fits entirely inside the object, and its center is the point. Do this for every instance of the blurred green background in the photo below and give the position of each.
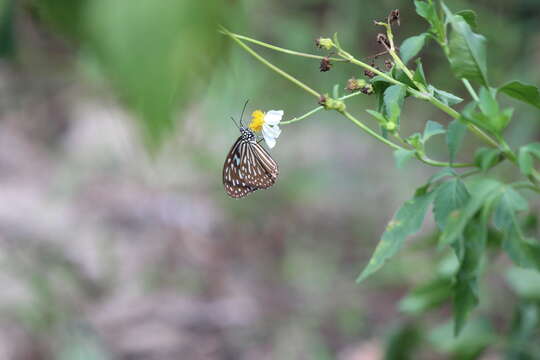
(117, 240)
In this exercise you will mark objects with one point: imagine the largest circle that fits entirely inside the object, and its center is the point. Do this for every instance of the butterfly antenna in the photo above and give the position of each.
(242, 115)
(235, 123)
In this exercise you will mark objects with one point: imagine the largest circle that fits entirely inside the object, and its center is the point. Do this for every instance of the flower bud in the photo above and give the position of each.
(324, 43)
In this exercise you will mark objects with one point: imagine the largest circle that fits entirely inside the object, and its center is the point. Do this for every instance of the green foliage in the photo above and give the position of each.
(523, 92)
(526, 157)
(454, 137)
(412, 46)
(467, 50)
(406, 222)
(450, 196)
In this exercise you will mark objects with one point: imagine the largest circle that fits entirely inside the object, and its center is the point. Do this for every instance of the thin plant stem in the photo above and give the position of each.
(272, 66)
(317, 109)
(280, 49)
(470, 89)
(370, 132)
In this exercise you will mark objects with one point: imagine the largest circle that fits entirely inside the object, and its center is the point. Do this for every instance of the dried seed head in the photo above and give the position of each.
(325, 64)
(393, 18)
(388, 64)
(322, 100)
(369, 74)
(383, 40)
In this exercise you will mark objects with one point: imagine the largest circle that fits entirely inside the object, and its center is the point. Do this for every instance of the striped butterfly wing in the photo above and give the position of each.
(248, 167)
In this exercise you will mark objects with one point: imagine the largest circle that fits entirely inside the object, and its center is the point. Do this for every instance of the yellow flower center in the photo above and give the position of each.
(257, 120)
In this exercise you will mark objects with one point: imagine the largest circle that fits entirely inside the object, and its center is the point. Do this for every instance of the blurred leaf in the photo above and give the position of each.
(7, 38)
(393, 102)
(402, 343)
(474, 338)
(449, 196)
(442, 174)
(523, 251)
(406, 221)
(466, 286)
(157, 54)
(490, 108)
(486, 158)
(63, 15)
(402, 156)
(481, 192)
(467, 50)
(426, 296)
(411, 47)
(432, 128)
(377, 115)
(524, 332)
(444, 96)
(454, 137)
(470, 17)
(415, 140)
(527, 93)
(509, 202)
(525, 157)
(525, 283)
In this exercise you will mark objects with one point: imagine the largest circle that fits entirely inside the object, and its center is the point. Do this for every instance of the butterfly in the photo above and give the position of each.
(248, 166)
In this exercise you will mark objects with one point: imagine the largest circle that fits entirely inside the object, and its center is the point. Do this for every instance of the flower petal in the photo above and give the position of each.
(271, 142)
(271, 131)
(273, 117)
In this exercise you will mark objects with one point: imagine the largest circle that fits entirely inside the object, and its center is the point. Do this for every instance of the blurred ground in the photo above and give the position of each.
(107, 252)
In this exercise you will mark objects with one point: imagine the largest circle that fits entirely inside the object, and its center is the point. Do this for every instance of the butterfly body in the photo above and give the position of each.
(248, 166)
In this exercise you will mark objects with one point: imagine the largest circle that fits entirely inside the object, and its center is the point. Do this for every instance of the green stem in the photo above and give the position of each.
(470, 89)
(280, 49)
(272, 66)
(436, 163)
(370, 132)
(317, 109)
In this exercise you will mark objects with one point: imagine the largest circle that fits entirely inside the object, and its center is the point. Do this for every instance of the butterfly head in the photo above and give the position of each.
(247, 134)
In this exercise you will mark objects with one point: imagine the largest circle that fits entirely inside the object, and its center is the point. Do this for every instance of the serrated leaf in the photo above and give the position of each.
(454, 137)
(442, 174)
(467, 50)
(486, 158)
(444, 96)
(406, 222)
(526, 93)
(393, 102)
(428, 11)
(411, 47)
(470, 17)
(402, 156)
(481, 192)
(432, 128)
(507, 205)
(450, 196)
(466, 285)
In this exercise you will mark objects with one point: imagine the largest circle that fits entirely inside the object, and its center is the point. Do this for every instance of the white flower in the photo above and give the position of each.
(269, 124)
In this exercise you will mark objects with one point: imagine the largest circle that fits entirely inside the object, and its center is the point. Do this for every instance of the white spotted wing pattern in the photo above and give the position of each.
(248, 167)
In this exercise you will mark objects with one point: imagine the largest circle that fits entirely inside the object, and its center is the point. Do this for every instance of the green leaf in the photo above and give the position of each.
(442, 174)
(406, 222)
(525, 283)
(474, 338)
(454, 137)
(402, 156)
(428, 11)
(411, 47)
(7, 28)
(426, 297)
(525, 157)
(466, 285)
(481, 193)
(403, 342)
(419, 75)
(508, 203)
(467, 50)
(377, 115)
(393, 102)
(470, 17)
(444, 96)
(523, 334)
(156, 54)
(486, 158)
(523, 92)
(450, 196)
(432, 128)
